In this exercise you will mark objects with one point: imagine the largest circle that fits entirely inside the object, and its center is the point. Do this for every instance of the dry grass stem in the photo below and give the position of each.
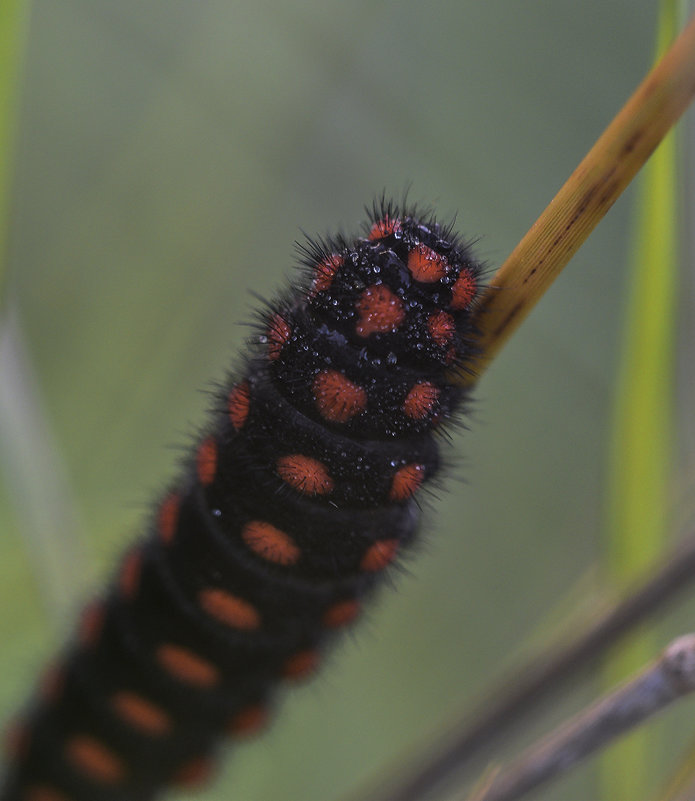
(590, 191)
(671, 677)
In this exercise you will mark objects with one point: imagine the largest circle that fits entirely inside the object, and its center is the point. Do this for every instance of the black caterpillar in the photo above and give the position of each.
(302, 490)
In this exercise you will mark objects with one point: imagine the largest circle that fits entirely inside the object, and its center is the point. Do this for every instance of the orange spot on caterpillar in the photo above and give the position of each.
(206, 461)
(380, 311)
(91, 757)
(379, 555)
(384, 228)
(186, 666)
(301, 665)
(42, 792)
(229, 609)
(168, 519)
(248, 721)
(337, 398)
(304, 474)
(91, 624)
(341, 614)
(129, 576)
(441, 327)
(141, 713)
(270, 543)
(324, 273)
(420, 400)
(463, 290)
(239, 401)
(278, 334)
(405, 481)
(426, 265)
(194, 773)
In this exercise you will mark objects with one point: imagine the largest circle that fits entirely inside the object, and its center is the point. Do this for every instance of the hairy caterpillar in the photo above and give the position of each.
(302, 490)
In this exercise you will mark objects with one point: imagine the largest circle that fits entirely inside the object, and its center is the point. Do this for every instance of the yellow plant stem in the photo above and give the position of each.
(589, 192)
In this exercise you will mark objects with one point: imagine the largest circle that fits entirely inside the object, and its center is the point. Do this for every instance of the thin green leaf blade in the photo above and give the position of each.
(13, 27)
(642, 442)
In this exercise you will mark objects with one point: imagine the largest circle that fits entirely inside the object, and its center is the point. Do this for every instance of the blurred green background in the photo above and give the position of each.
(168, 154)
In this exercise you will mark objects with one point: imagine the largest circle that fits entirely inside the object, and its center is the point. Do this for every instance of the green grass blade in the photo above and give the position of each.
(14, 15)
(641, 447)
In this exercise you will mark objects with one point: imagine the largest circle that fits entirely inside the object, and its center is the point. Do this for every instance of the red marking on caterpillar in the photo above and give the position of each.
(337, 398)
(427, 265)
(384, 227)
(249, 721)
(94, 759)
(301, 493)
(420, 400)
(324, 272)
(463, 291)
(229, 609)
(380, 311)
(279, 333)
(239, 400)
(168, 517)
(305, 474)
(301, 665)
(270, 543)
(129, 577)
(193, 774)
(186, 666)
(441, 327)
(379, 555)
(341, 614)
(141, 713)
(206, 461)
(406, 481)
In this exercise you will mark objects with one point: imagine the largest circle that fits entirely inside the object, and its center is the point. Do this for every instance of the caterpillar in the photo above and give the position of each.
(302, 489)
